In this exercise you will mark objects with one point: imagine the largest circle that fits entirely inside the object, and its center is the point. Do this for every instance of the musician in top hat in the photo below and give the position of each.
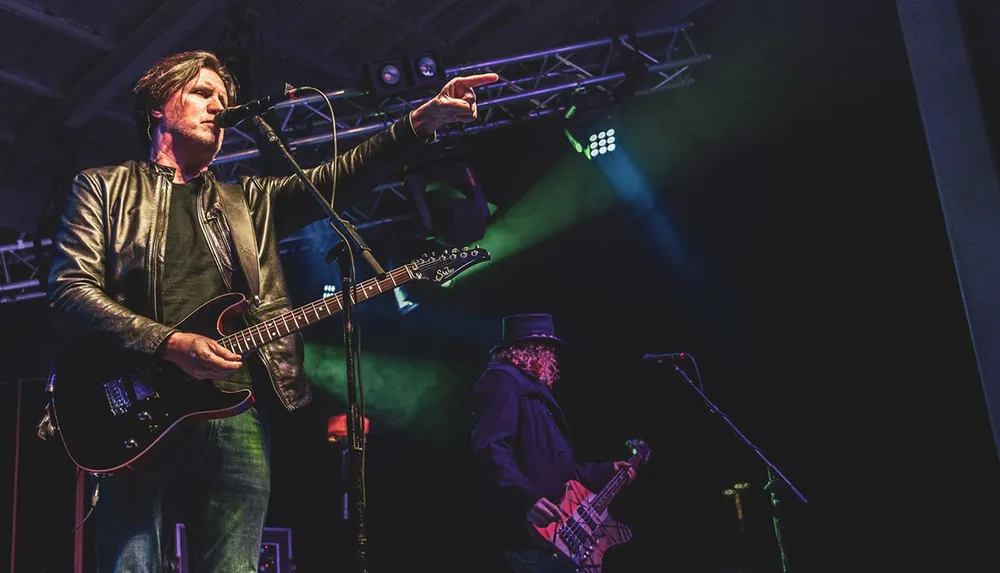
(521, 445)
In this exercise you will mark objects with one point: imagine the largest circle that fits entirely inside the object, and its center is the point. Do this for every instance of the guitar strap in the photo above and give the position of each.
(234, 204)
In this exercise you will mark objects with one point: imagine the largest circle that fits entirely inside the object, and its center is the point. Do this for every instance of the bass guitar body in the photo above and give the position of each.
(580, 541)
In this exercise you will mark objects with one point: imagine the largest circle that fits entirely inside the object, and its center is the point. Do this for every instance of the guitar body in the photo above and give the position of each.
(111, 408)
(581, 540)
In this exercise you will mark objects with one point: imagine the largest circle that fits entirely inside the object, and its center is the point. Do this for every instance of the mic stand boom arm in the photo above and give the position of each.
(775, 477)
(355, 429)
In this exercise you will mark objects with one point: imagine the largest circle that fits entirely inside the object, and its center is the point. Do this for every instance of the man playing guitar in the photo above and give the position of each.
(143, 243)
(522, 449)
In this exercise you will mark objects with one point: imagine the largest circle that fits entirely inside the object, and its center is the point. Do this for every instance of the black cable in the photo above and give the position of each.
(351, 297)
(93, 504)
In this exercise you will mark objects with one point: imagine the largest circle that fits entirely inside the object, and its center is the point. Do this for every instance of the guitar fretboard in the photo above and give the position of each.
(293, 320)
(603, 499)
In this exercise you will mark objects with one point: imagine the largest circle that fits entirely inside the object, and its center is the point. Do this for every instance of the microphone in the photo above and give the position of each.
(672, 358)
(231, 116)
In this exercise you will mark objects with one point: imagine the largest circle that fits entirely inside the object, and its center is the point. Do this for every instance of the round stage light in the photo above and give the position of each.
(427, 67)
(391, 75)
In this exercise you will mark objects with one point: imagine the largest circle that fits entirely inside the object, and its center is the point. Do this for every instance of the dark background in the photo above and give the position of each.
(818, 296)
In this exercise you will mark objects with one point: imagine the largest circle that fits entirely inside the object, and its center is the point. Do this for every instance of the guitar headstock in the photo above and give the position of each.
(442, 266)
(639, 448)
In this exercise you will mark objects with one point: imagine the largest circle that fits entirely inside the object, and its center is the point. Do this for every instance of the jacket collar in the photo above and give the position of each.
(157, 169)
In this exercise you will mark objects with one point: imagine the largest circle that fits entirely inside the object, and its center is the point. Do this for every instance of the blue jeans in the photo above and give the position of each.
(213, 476)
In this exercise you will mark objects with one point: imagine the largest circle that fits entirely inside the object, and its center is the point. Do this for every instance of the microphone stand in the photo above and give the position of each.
(355, 423)
(776, 479)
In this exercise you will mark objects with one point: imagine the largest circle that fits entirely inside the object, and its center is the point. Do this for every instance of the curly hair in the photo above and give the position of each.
(165, 77)
(535, 357)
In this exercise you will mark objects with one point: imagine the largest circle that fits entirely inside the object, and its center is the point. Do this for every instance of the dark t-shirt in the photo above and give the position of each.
(190, 274)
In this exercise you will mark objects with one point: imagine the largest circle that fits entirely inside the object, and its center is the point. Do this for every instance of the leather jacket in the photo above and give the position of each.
(105, 279)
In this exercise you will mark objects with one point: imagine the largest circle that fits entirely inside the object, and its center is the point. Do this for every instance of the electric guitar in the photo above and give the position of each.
(110, 409)
(580, 541)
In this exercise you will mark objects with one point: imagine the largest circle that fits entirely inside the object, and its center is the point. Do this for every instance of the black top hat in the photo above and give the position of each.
(520, 328)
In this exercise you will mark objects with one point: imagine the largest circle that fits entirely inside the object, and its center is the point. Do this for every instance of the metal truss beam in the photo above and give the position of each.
(531, 86)
(19, 270)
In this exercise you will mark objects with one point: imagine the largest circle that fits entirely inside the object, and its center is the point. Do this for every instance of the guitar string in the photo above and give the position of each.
(301, 313)
(576, 528)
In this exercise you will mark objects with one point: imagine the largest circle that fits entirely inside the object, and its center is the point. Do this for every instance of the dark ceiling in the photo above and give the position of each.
(67, 66)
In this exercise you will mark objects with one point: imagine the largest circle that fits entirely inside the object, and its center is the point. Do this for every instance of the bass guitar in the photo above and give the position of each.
(580, 541)
(110, 409)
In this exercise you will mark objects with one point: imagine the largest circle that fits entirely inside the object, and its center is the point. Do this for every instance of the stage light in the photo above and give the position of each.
(594, 128)
(602, 142)
(388, 76)
(391, 75)
(427, 67)
(427, 70)
(399, 75)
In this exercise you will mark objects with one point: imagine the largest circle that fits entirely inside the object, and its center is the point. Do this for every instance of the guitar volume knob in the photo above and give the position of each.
(131, 444)
(144, 416)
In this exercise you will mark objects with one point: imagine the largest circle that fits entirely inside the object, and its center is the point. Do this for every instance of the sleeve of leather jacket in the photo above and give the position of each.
(495, 414)
(78, 303)
(353, 172)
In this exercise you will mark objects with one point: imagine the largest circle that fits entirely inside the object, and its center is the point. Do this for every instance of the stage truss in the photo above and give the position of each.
(532, 86)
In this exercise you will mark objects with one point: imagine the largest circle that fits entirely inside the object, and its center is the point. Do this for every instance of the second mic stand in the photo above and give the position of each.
(355, 423)
(776, 480)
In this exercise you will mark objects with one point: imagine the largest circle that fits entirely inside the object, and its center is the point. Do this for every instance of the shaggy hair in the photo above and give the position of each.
(167, 76)
(535, 357)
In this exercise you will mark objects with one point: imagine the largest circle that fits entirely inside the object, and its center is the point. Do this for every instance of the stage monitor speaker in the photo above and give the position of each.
(275, 551)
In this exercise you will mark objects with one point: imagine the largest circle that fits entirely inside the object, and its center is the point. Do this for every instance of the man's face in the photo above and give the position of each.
(188, 116)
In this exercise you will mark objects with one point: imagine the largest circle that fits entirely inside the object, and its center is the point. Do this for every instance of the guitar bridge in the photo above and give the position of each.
(117, 396)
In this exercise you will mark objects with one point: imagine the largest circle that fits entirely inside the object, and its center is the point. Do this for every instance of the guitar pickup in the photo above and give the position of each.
(585, 514)
(117, 396)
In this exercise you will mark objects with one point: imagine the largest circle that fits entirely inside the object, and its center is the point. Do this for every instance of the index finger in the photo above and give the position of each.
(224, 352)
(477, 80)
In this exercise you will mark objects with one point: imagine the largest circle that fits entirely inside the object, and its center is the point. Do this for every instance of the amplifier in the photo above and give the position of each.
(275, 551)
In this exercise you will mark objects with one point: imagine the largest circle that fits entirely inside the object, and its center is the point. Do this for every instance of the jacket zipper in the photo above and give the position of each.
(156, 249)
(214, 239)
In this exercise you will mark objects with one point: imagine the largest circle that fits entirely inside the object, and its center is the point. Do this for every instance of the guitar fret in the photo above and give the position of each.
(604, 498)
(269, 330)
